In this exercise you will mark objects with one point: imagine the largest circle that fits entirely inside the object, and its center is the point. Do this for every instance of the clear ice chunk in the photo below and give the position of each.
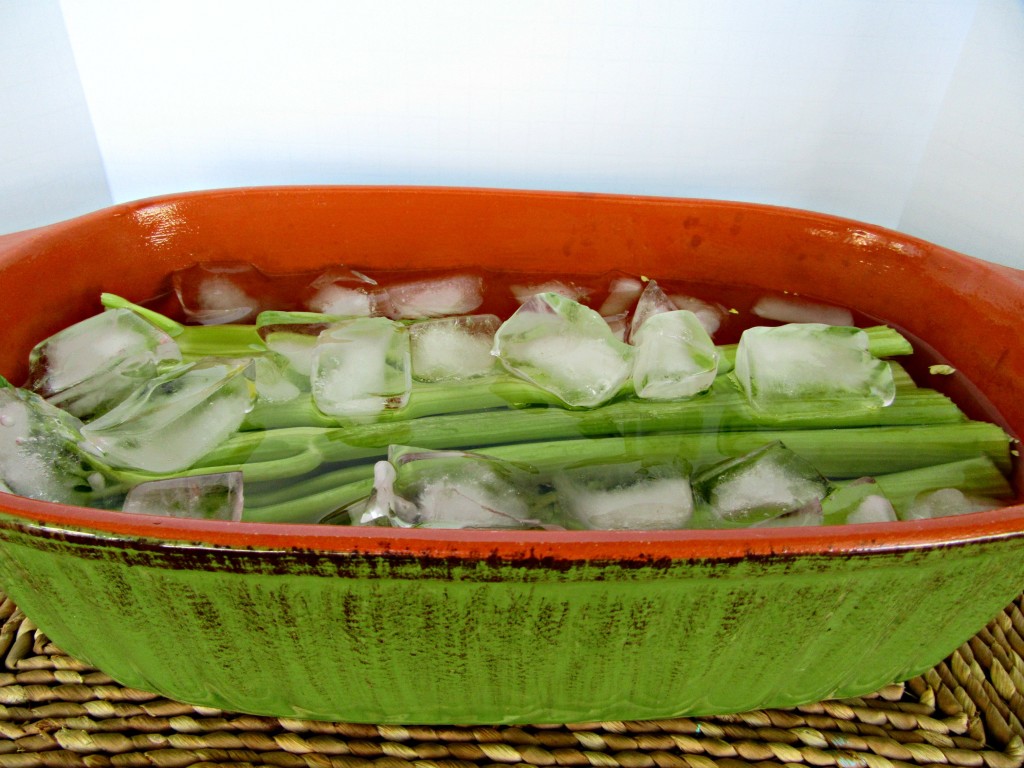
(793, 310)
(222, 292)
(653, 301)
(569, 290)
(345, 292)
(566, 349)
(453, 348)
(675, 357)
(361, 367)
(293, 335)
(216, 496)
(710, 315)
(945, 502)
(860, 501)
(435, 297)
(811, 367)
(449, 489)
(89, 367)
(623, 293)
(38, 458)
(626, 496)
(769, 482)
(275, 380)
(175, 419)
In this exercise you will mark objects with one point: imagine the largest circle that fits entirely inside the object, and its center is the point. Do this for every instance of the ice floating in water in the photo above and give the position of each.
(769, 482)
(293, 335)
(347, 293)
(791, 310)
(449, 489)
(860, 501)
(222, 292)
(675, 357)
(275, 380)
(626, 496)
(217, 496)
(947, 501)
(564, 348)
(175, 419)
(435, 297)
(453, 348)
(653, 301)
(571, 291)
(623, 293)
(37, 454)
(710, 315)
(89, 367)
(812, 367)
(361, 367)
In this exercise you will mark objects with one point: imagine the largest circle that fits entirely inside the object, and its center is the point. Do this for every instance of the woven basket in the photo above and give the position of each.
(967, 711)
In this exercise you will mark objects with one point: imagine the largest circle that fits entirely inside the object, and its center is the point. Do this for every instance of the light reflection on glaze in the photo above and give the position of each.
(163, 221)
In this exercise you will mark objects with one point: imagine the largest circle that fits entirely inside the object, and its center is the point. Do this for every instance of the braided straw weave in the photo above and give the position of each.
(967, 711)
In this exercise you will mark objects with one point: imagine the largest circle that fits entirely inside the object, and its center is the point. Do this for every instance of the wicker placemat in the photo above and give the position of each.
(967, 711)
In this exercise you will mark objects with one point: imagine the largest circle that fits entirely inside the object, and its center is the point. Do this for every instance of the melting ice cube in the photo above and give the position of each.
(766, 483)
(623, 293)
(175, 419)
(222, 292)
(652, 301)
(792, 310)
(89, 367)
(675, 357)
(947, 501)
(860, 501)
(361, 367)
(812, 367)
(436, 297)
(572, 291)
(293, 336)
(453, 348)
(37, 448)
(215, 496)
(450, 489)
(628, 496)
(564, 348)
(345, 292)
(710, 315)
(275, 380)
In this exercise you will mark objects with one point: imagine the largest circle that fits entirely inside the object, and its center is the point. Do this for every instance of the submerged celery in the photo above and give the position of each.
(302, 465)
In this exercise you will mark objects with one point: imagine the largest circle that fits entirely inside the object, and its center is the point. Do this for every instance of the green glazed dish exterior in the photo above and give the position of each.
(381, 626)
(388, 639)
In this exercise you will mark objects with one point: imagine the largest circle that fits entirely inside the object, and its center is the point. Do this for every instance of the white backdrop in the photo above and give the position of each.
(905, 113)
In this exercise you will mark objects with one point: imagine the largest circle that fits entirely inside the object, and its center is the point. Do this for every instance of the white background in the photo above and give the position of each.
(903, 113)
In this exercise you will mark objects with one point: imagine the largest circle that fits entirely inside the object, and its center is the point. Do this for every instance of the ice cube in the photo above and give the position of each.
(345, 292)
(811, 367)
(222, 292)
(215, 496)
(947, 501)
(675, 357)
(37, 448)
(361, 367)
(275, 380)
(292, 336)
(652, 301)
(710, 315)
(450, 489)
(435, 297)
(453, 348)
(792, 310)
(860, 501)
(623, 293)
(571, 291)
(766, 483)
(564, 348)
(175, 419)
(626, 496)
(89, 367)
